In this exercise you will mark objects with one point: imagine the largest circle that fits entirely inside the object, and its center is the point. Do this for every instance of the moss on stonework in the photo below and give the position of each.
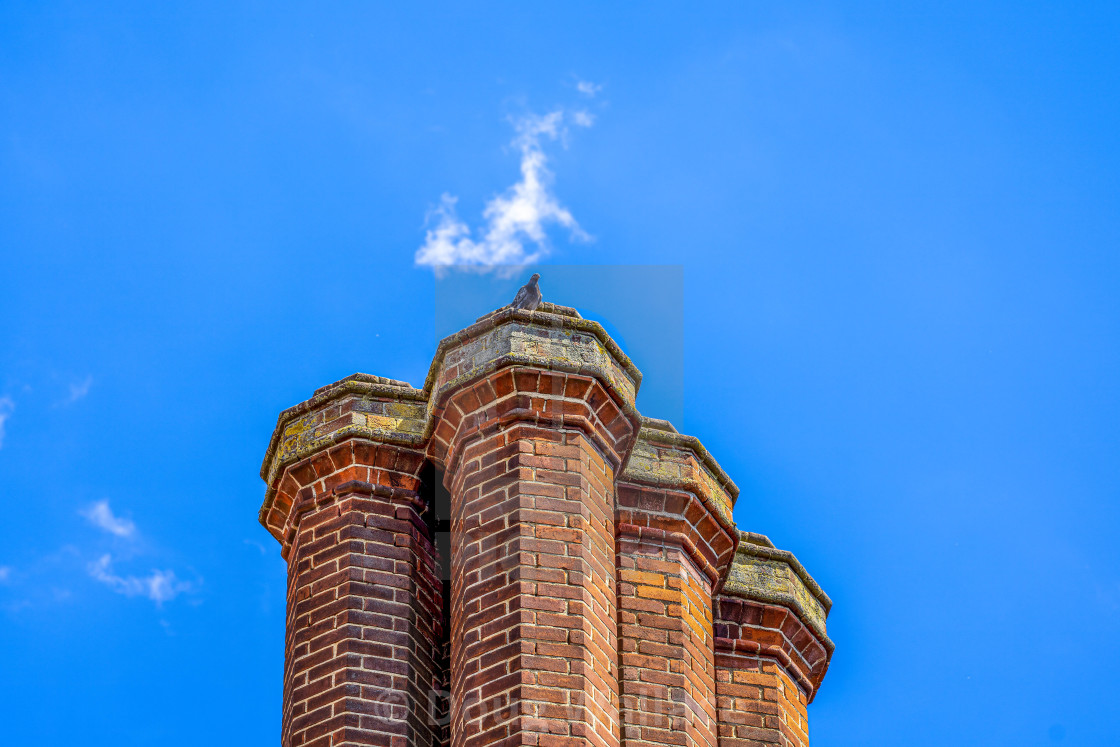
(546, 317)
(763, 573)
(545, 347)
(663, 457)
(552, 338)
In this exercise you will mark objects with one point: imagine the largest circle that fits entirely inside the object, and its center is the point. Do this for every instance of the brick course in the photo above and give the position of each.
(593, 589)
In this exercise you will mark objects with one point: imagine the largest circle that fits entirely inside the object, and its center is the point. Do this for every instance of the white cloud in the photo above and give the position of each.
(6, 408)
(5, 573)
(587, 88)
(101, 516)
(516, 219)
(158, 586)
(79, 390)
(260, 548)
(583, 118)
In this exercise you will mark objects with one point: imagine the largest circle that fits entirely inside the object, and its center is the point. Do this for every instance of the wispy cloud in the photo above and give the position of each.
(6, 408)
(158, 586)
(5, 573)
(101, 516)
(516, 220)
(78, 390)
(587, 88)
(260, 548)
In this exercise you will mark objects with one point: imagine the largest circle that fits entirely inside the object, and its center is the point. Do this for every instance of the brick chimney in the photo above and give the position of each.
(513, 555)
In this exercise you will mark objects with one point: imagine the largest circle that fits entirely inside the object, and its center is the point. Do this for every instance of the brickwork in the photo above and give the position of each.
(675, 542)
(533, 579)
(512, 555)
(745, 626)
(667, 679)
(759, 705)
(363, 603)
(769, 667)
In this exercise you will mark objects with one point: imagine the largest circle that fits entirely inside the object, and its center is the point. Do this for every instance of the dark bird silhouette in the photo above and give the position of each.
(529, 296)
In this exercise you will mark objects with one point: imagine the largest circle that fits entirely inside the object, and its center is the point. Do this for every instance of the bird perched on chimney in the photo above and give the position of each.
(529, 296)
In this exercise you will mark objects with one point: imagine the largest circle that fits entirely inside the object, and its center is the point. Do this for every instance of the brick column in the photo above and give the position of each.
(675, 540)
(771, 648)
(531, 463)
(532, 415)
(665, 644)
(364, 596)
(599, 593)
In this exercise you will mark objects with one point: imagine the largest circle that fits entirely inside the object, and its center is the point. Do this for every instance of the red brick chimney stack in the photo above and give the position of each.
(599, 592)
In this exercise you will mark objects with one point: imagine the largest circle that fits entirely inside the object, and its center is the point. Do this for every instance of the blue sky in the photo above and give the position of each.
(880, 242)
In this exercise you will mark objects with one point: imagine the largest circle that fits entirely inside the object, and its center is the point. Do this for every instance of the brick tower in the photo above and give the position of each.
(513, 555)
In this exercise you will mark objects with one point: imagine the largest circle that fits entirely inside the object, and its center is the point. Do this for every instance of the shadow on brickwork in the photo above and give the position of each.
(437, 516)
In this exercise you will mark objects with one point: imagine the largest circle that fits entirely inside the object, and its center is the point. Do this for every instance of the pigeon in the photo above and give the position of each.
(529, 295)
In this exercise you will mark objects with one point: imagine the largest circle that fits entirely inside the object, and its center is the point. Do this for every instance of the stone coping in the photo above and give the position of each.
(548, 316)
(358, 383)
(653, 431)
(764, 573)
(658, 431)
(379, 386)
